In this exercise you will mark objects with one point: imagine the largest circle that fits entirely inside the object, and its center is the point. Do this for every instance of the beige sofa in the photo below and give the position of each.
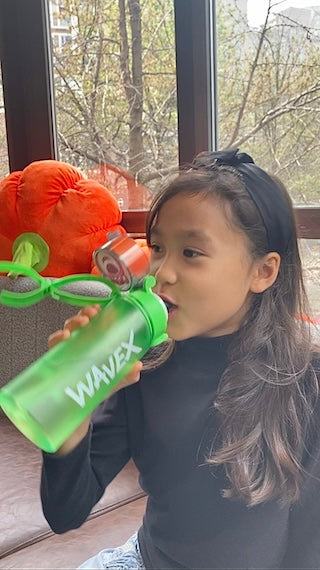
(26, 540)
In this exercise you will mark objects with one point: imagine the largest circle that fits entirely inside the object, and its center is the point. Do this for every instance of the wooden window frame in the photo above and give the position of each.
(26, 59)
(307, 219)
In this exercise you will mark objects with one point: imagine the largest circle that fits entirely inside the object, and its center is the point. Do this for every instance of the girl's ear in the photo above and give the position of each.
(265, 272)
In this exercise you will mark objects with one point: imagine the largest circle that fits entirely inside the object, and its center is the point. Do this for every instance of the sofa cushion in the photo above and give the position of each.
(26, 541)
(21, 519)
(72, 548)
(24, 331)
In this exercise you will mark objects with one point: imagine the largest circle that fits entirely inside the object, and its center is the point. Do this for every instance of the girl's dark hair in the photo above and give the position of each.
(266, 396)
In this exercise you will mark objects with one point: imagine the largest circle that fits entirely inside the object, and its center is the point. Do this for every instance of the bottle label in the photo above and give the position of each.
(104, 373)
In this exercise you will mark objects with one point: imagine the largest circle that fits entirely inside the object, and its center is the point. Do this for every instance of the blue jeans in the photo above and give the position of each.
(125, 557)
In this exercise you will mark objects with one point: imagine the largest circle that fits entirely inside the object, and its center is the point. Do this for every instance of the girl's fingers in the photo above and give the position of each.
(79, 320)
(57, 337)
(90, 310)
(134, 374)
(76, 322)
(131, 378)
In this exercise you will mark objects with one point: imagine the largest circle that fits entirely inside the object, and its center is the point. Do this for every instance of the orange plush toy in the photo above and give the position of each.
(52, 218)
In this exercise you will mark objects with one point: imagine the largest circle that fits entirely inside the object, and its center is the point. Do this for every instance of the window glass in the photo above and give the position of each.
(115, 87)
(4, 162)
(268, 87)
(310, 253)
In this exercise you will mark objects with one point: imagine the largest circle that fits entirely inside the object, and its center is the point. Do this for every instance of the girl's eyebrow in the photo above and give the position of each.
(186, 234)
(155, 231)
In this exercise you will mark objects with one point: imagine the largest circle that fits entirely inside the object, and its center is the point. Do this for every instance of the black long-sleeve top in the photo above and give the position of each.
(166, 423)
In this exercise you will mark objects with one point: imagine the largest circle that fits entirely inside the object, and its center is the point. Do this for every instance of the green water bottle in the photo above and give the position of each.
(54, 395)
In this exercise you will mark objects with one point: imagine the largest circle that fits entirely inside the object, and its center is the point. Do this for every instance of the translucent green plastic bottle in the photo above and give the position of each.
(53, 396)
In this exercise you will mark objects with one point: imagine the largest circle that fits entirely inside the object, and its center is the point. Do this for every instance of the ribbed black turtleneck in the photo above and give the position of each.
(167, 424)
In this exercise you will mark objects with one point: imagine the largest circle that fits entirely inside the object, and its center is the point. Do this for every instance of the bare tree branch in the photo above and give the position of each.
(250, 79)
(291, 105)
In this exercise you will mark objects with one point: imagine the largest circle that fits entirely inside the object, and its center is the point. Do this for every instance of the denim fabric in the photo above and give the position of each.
(125, 557)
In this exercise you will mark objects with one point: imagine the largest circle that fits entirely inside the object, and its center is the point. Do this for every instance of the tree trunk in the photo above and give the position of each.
(132, 80)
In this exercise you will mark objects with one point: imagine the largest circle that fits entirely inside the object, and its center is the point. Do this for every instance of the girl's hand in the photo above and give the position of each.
(81, 319)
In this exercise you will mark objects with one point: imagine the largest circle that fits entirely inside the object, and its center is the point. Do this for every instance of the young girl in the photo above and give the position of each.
(223, 424)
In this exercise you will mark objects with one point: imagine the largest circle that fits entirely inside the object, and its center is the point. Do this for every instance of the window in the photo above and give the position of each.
(268, 62)
(59, 17)
(310, 253)
(115, 86)
(4, 163)
(205, 33)
(268, 88)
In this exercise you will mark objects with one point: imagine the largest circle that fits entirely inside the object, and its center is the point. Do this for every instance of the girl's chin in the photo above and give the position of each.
(172, 314)
(176, 331)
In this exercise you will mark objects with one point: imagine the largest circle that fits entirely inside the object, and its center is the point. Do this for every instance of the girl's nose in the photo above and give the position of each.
(164, 270)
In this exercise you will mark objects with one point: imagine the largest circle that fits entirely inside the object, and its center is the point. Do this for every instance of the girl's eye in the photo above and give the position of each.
(190, 253)
(155, 248)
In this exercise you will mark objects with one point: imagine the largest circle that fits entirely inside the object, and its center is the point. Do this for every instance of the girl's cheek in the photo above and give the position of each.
(154, 265)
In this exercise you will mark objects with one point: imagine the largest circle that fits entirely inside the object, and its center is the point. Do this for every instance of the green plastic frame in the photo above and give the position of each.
(46, 287)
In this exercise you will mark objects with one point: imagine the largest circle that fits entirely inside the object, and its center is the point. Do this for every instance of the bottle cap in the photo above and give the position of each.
(122, 261)
(153, 308)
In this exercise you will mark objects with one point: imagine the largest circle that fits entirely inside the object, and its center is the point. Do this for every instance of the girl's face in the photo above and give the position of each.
(203, 267)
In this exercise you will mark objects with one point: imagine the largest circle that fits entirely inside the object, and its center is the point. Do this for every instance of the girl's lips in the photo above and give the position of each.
(171, 306)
